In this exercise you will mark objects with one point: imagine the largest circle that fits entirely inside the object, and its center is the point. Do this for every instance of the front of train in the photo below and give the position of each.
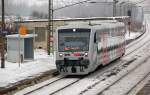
(72, 52)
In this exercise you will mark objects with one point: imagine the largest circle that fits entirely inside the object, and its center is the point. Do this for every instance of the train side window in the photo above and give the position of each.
(95, 37)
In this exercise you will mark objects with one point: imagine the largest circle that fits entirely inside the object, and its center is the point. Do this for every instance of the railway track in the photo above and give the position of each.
(123, 76)
(58, 78)
(105, 87)
(146, 77)
(67, 82)
(101, 78)
(144, 73)
(142, 88)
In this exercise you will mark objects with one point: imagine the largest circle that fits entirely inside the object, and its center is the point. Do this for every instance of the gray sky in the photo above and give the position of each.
(42, 5)
(31, 2)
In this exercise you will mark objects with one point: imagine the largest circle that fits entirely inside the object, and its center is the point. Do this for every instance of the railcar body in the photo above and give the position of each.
(81, 48)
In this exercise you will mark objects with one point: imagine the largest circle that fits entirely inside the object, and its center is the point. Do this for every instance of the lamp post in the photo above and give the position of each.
(2, 38)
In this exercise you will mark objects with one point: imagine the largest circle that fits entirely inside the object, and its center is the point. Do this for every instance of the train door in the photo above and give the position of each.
(95, 49)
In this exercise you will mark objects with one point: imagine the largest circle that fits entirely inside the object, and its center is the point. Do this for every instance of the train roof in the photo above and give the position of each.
(103, 24)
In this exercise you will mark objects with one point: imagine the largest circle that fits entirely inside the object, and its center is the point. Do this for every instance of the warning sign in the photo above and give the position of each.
(22, 30)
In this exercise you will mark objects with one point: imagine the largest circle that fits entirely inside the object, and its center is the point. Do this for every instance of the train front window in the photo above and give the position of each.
(73, 40)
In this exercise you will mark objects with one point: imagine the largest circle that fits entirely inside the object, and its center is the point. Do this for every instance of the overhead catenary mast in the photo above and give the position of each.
(114, 7)
(2, 38)
(50, 42)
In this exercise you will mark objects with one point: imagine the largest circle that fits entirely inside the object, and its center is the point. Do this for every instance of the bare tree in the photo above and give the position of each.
(40, 15)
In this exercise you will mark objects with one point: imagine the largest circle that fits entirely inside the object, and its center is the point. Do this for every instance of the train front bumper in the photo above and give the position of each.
(67, 66)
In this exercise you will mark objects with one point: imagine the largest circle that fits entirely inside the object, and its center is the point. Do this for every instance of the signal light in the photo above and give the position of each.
(86, 54)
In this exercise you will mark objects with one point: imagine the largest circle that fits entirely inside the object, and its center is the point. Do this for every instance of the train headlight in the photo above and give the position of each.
(60, 54)
(86, 54)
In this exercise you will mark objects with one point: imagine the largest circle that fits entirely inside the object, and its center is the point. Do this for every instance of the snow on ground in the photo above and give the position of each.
(42, 63)
(136, 76)
(13, 73)
(132, 35)
(139, 71)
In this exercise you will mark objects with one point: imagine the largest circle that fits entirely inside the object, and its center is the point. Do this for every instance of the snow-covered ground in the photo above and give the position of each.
(132, 35)
(14, 73)
(42, 63)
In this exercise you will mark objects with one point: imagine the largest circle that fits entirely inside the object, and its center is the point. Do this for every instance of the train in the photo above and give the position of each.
(102, 49)
(83, 46)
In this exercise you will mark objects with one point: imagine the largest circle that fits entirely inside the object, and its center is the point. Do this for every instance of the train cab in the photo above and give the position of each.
(73, 50)
(81, 48)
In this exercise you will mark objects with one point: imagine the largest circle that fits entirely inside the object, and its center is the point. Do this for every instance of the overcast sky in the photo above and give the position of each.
(42, 5)
(31, 2)
(63, 2)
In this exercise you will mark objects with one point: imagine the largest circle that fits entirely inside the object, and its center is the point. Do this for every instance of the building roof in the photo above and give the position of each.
(76, 19)
(21, 36)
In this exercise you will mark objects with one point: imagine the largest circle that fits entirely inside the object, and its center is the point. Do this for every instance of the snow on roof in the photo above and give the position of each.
(75, 19)
(22, 36)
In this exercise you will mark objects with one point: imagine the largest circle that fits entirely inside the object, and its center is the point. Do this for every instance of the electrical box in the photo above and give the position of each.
(20, 47)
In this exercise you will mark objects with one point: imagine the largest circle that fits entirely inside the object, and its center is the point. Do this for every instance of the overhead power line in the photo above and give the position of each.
(72, 5)
(141, 1)
(85, 2)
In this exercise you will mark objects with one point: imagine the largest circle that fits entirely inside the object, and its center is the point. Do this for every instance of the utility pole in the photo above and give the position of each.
(114, 7)
(50, 41)
(2, 38)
